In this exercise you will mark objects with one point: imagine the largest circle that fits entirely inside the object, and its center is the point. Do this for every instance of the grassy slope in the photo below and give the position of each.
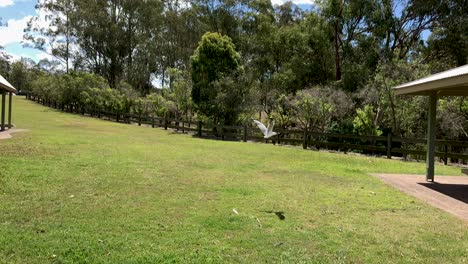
(77, 189)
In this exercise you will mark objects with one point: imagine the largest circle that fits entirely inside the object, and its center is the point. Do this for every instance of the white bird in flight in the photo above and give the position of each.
(267, 132)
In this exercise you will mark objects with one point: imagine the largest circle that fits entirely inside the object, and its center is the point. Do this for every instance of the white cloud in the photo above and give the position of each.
(13, 33)
(33, 54)
(43, 55)
(5, 3)
(14, 30)
(297, 2)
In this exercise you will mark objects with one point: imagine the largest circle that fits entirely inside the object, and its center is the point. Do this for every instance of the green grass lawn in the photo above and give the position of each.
(81, 190)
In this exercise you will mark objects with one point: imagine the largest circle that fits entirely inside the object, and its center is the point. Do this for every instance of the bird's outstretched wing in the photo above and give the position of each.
(261, 126)
(270, 127)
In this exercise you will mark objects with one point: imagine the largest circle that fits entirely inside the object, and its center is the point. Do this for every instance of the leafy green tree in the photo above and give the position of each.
(93, 100)
(283, 111)
(448, 44)
(452, 118)
(44, 85)
(400, 115)
(141, 107)
(366, 121)
(214, 64)
(180, 92)
(117, 38)
(20, 75)
(316, 108)
(57, 38)
(4, 63)
(158, 104)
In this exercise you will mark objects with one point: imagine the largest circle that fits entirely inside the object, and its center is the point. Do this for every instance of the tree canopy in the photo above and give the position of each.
(214, 61)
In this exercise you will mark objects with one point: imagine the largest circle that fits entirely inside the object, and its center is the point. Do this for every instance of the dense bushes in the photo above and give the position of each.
(84, 92)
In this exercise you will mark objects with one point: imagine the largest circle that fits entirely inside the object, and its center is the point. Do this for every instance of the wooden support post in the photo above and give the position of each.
(389, 145)
(245, 133)
(2, 123)
(152, 122)
(10, 105)
(165, 122)
(431, 131)
(139, 120)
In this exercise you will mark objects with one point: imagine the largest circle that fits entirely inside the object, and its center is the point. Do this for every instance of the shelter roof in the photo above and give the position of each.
(452, 82)
(5, 85)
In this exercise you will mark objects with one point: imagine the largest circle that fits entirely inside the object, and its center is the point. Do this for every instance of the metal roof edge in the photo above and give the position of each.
(421, 80)
(6, 85)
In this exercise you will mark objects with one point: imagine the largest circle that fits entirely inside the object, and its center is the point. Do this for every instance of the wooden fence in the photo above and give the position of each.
(389, 146)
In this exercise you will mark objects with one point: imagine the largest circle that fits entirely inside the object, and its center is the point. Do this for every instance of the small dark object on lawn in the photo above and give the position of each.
(279, 214)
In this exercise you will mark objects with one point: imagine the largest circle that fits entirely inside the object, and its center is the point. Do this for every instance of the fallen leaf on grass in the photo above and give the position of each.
(258, 220)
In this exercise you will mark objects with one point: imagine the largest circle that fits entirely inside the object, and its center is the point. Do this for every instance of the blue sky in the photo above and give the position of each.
(16, 13)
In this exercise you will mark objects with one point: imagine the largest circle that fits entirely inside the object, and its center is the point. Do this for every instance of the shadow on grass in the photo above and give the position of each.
(456, 191)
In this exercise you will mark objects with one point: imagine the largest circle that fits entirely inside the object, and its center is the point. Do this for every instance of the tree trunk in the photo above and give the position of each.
(337, 52)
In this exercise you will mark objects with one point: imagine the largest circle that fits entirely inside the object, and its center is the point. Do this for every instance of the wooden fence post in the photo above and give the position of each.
(245, 133)
(446, 152)
(389, 145)
(152, 122)
(304, 140)
(165, 122)
(221, 131)
(139, 120)
(200, 128)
